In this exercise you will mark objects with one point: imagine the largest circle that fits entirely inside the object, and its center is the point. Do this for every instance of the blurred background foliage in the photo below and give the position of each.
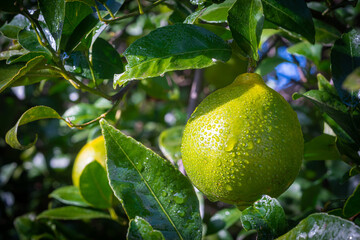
(150, 108)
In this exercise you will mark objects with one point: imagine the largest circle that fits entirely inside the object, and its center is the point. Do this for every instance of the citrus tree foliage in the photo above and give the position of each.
(134, 71)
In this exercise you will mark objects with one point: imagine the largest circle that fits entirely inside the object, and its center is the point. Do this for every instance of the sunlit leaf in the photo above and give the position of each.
(69, 195)
(139, 228)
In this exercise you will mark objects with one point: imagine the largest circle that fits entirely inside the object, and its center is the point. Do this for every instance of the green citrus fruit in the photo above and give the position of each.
(241, 142)
(92, 151)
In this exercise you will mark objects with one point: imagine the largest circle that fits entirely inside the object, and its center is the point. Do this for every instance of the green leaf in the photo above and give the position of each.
(54, 14)
(223, 219)
(222, 32)
(345, 58)
(82, 113)
(106, 60)
(12, 53)
(69, 195)
(266, 216)
(140, 229)
(94, 186)
(91, 3)
(329, 104)
(352, 206)
(159, 88)
(246, 20)
(28, 40)
(175, 47)
(78, 64)
(150, 187)
(323, 226)
(217, 13)
(322, 147)
(33, 114)
(27, 57)
(268, 65)
(325, 33)
(75, 12)
(352, 81)
(12, 28)
(191, 19)
(324, 85)
(9, 74)
(170, 143)
(293, 16)
(72, 213)
(311, 51)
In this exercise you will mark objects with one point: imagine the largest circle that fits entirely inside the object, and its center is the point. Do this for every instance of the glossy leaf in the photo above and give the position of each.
(345, 58)
(106, 60)
(293, 16)
(325, 33)
(82, 113)
(72, 213)
(29, 41)
(176, 47)
(222, 32)
(94, 186)
(91, 3)
(170, 143)
(223, 219)
(323, 226)
(352, 206)
(246, 20)
(266, 216)
(268, 65)
(33, 114)
(75, 12)
(150, 187)
(139, 228)
(12, 28)
(322, 147)
(69, 195)
(12, 53)
(11, 73)
(308, 50)
(191, 19)
(78, 64)
(352, 81)
(329, 104)
(217, 13)
(54, 15)
(27, 57)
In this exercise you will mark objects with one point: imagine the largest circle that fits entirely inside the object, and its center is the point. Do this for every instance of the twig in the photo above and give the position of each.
(195, 91)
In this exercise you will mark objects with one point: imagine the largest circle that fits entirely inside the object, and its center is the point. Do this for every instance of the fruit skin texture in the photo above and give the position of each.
(241, 142)
(92, 151)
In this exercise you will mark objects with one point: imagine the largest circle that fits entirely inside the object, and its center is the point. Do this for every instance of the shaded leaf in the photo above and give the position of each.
(325, 33)
(29, 41)
(352, 206)
(293, 16)
(139, 228)
(217, 13)
(12, 28)
(150, 187)
(345, 58)
(72, 213)
(246, 20)
(322, 147)
(105, 59)
(9, 74)
(91, 3)
(170, 143)
(158, 88)
(33, 114)
(352, 81)
(94, 186)
(223, 219)
(175, 47)
(78, 64)
(54, 14)
(323, 226)
(222, 32)
(69, 195)
(266, 216)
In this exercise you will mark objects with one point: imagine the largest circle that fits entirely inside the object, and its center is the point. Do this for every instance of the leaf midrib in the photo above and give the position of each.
(148, 186)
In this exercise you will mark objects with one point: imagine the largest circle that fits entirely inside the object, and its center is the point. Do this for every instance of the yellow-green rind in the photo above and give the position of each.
(241, 142)
(92, 151)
